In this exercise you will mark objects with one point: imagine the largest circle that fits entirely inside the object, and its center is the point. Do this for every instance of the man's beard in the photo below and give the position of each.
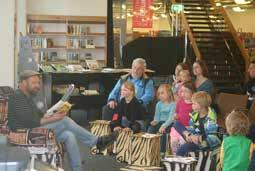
(33, 92)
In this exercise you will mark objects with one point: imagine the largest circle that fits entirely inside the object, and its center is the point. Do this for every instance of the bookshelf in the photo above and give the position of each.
(67, 40)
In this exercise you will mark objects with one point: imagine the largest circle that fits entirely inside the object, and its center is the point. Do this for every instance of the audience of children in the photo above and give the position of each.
(202, 129)
(249, 87)
(130, 113)
(183, 108)
(236, 149)
(164, 113)
(194, 121)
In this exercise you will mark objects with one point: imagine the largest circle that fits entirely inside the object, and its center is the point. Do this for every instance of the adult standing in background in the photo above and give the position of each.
(144, 89)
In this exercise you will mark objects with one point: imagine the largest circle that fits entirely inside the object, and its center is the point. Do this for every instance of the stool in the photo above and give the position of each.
(101, 128)
(177, 163)
(145, 150)
(122, 144)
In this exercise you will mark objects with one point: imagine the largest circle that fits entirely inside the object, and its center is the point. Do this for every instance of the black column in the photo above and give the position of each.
(110, 53)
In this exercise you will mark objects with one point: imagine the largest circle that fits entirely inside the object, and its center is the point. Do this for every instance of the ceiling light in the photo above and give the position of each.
(163, 15)
(129, 14)
(242, 2)
(123, 6)
(155, 17)
(156, 7)
(238, 9)
(218, 4)
(212, 16)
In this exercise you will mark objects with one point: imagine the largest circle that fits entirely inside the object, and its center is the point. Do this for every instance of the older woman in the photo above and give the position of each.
(202, 82)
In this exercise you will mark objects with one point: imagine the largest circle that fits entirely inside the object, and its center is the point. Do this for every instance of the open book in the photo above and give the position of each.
(62, 104)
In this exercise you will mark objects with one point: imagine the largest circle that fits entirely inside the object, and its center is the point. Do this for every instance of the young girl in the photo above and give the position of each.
(183, 108)
(236, 149)
(130, 113)
(200, 133)
(172, 79)
(164, 113)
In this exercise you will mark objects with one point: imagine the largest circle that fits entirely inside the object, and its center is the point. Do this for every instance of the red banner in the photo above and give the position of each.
(142, 17)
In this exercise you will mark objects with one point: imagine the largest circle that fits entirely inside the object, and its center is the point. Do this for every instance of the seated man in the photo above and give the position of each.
(23, 113)
(144, 88)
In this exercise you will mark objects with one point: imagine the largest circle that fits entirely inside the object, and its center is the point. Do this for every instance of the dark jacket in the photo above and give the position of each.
(132, 111)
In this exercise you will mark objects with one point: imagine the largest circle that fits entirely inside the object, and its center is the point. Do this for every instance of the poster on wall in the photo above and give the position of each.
(142, 14)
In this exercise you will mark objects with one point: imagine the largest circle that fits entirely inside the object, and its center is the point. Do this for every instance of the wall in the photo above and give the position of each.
(244, 20)
(68, 7)
(7, 69)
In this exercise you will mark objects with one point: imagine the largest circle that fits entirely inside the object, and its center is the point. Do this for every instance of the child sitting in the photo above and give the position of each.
(202, 128)
(130, 113)
(183, 108)
(184, 77)
(236, 149)
(172, 79)
(164, 113)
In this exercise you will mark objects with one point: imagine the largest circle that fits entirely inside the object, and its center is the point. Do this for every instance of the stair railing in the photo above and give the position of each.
(233, 32)
(237, 40)
(186, 28)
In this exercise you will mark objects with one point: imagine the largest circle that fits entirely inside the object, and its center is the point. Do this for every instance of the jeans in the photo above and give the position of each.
(154, 130)
(184, 149)
(66, 131)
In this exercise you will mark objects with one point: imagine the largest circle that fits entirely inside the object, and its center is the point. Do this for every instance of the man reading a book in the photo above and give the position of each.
(23, 113)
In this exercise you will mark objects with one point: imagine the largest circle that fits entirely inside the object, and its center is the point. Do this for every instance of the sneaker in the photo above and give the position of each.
(105, 141)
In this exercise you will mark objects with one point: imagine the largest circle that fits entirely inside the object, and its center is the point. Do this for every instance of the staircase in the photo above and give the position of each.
(215, 43)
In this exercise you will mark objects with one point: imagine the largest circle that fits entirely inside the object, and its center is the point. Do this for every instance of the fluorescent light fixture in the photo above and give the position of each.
(238, 9)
